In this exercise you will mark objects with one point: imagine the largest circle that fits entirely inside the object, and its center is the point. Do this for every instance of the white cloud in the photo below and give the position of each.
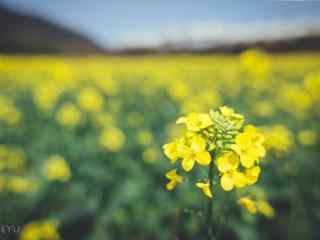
(214, 32)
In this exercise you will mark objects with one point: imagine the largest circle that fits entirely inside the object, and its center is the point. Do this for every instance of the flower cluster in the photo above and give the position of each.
(12, 168)
(8, 111)
(257, 206)
(40, 230)
(219, 139)
(57, 169)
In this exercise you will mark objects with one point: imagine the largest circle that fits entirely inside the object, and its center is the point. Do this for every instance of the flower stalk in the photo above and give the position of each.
(209, 221)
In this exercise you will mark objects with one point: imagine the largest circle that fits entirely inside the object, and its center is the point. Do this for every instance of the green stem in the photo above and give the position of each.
(209, 222)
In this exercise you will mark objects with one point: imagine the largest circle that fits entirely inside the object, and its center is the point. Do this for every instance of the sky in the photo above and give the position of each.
(125, 22)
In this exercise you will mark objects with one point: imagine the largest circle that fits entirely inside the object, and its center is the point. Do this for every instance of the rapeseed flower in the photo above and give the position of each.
(112, 139)
(249, 146)
(194, 151)
(56, 168)
(248, 204)
(196, 121)
(145, 137)
(171, 151)
(40, 230)
(150, 154)
(307, 137)
(279, 138)
(19, 184)
(174, 179)
(8, 111)
(261, 206)
(90, 100)
(46, 95)
(312, 84)
(205, 187)
(220, 137)
(265, 208)
(68, 115)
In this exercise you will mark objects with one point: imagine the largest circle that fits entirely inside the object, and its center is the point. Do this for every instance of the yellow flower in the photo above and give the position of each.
(252, 174)
(50, 229)
(264, 108)
(150, 154)
(174, 179)
(171, 151)
(112, 139)
(239, 179)
(230, 113)
(145, 137)
(103, 119)
(205, 187)
(265, 208)
(196, 121)
(8, 111)
(40, 230)
(228, 164)
(30, 232)
(295, 99)
(249, 146)
(307, 137)
(233, 179)
(20, 184)
(11, 158)
(229, 161)
(256, 63)
(237, 153)
(56, 168)
(46, 95)
(108, 86)
(178, 90)
(312, 84)
(90, 100)
(227, 181)
(248, 204)
(279, 138)
(68, 115)
(195, 153)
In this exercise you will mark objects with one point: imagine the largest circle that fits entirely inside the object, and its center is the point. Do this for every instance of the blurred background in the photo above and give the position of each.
(90, 91)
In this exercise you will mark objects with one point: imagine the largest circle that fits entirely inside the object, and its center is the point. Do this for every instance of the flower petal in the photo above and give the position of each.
(227, 182)
(171, 185)
(205, 187)
(203, 158)
(239, 179)
(198, 144)
(247, 161)
(187, 164)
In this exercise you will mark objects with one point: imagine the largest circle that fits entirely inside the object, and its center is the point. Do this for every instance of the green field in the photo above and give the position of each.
(81, 145)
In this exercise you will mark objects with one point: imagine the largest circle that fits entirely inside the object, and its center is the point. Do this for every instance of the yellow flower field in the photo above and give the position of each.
(88, 143)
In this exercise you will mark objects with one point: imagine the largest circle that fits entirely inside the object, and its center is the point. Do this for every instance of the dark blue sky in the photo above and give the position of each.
(106, 21)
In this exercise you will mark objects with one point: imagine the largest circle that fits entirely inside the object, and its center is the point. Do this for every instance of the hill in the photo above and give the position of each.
(22, 33)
